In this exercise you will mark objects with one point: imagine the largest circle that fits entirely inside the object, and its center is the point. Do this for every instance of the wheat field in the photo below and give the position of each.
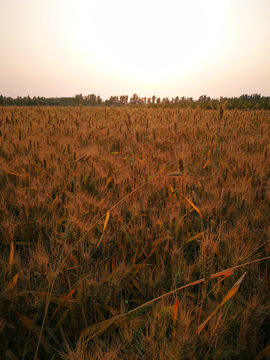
(134, 233)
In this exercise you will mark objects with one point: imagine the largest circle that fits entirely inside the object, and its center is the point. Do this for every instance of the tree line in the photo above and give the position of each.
(253, 101)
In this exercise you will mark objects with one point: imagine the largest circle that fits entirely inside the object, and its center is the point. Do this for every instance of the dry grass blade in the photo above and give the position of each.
(215, 248)
(227, 166)
(226, 298)
(140, 160)
(106, 220)
(11, 256)
(175, 309)
(195, 237)
(175, 173)
(264, 354)
(54, 298)
(27, 322)
(81, 158)
(67, 252)
(13, 281)
(98, 329)
(195, 207)
(47, 173)
(104, 227)
(62, 303)
(207, 162)
(60, 320)
(108, 181)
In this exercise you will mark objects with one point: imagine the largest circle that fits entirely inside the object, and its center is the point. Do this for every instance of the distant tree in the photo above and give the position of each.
(134, 100)
(99, 100)
(165, 100)
(115, 100)
(9, 101)
(93, 100)
(245, 101)
(109, 102)
(124, 99)
(78, 99)
(142, 101)
(2, 100)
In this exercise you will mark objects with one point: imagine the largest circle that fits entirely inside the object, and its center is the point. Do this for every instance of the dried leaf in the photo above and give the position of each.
(140, 160)
(239, 145)
(108, 181)
(27, 322)
(225, 273)
(136, 284)
(215, 249)
(175, 309)
(81, 158)
(13, 281)
(226, 298)
(106, 220)
(195, 237)
(195, 207)
(105, 225)
(206, 163)
(62, 303)
(11, 257)
(61, 320)
(227, 166)
(67, 251)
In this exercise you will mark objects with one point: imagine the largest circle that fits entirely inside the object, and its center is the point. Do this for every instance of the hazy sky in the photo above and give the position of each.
(120, 47)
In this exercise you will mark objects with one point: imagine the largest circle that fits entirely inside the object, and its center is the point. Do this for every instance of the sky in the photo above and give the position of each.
(120, 47)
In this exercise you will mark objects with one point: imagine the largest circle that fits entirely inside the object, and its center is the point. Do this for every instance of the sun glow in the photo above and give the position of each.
(147, 44)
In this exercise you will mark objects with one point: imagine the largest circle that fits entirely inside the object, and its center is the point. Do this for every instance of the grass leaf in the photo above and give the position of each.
(195, 207)
(62, 303)
(195, 236)
(226, 298)
(106, 221)
(13, 281)
(11, 256)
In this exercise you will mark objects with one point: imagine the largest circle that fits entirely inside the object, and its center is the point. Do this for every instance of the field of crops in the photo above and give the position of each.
(134, 233)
